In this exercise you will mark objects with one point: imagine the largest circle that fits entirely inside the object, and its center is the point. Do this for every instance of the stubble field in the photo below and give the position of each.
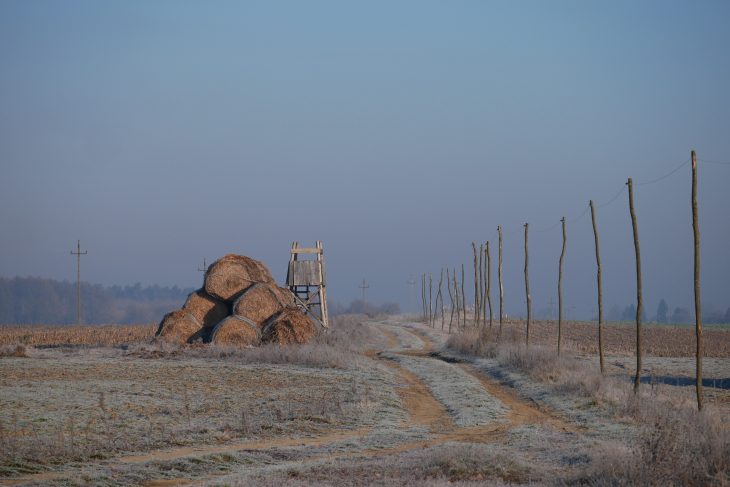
(386, 402)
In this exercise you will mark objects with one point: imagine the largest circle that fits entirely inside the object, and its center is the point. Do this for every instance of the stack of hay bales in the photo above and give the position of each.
(239, 304)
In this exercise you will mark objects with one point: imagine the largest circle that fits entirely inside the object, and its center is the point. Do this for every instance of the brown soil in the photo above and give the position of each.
(619, 339)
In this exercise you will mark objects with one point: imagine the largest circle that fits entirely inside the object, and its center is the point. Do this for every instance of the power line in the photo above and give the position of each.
(644, 183)
(614, 198)
(579, 217)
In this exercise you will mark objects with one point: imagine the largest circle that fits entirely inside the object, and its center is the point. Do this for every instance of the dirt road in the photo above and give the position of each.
(443, 402)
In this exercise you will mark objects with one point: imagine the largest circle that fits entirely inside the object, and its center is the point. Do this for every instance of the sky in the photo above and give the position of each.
(164, 133)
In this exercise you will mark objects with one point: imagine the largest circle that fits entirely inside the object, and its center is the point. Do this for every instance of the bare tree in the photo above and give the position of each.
(639, 300)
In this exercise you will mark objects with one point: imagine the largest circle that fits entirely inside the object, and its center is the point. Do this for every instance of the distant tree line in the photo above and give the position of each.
(666, 315)
(40, 300)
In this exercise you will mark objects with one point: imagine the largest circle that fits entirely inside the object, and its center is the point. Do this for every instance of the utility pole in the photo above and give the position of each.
(698, 305)
(363, 286)
(78, 255)
(204, 268)
(412, 295)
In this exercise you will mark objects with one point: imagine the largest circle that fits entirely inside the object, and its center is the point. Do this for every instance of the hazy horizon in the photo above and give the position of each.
(161, 134)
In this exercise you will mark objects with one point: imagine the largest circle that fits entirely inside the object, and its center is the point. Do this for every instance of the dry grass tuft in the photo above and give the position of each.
(677, 445)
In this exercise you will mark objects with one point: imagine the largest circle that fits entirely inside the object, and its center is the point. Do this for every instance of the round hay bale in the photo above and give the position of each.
(179, 327)
(258, 303)
(236, 331)
(291, 325)
(208, 310)
(285, 296)
(232, 274)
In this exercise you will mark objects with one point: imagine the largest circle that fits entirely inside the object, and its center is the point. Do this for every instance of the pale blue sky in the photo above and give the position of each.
(162, 133)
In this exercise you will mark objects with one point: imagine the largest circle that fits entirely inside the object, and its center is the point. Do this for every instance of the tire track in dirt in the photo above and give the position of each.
(417, 398)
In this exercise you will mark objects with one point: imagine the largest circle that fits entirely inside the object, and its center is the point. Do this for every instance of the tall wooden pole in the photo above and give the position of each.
(489, 284)
(441, 297)
(430, 299)
(463, 296)
(639, 300)
(499, 276)
(476, 286)
(481, 286)
(484, 285)
(78, 255)
(527, 289)
(451, 297)
(423, 296)
(698, 305)
(456, 298)
(560, 290)
(600, 288)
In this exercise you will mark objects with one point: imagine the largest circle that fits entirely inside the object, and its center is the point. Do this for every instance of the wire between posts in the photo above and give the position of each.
(614, 198)
(645, 183)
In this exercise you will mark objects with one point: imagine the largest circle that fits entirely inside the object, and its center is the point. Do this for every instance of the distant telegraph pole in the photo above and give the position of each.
(78, 255)
(412, 294)
(204, 268)
(363, 286)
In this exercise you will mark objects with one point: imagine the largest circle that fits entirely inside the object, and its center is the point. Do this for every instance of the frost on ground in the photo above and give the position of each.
(406, 340)
(461, 394)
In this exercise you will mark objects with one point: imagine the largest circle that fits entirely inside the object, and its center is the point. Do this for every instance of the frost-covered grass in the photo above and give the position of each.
(460, 393)
(451, 464)
(84, 406)
(659, 437)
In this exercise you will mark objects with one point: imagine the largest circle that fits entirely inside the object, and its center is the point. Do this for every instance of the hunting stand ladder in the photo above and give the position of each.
(307, 280)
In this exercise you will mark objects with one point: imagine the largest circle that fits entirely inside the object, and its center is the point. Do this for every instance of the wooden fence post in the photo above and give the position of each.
(451, 298)
(456, 298)
(698, 305)
(481, 285)
(441, 297)
(560, 290)
(484, 285)
(423, 296)
(489, 284)
(463, 296)
(499, 276)
(430, 300)
(639, 299)
(600, 288)
(527, 289)
(476, 286)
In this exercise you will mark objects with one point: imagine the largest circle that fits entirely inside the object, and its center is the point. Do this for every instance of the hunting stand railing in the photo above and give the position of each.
(307, 280)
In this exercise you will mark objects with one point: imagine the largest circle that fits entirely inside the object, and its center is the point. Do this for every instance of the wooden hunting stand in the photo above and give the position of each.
(307, 280)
